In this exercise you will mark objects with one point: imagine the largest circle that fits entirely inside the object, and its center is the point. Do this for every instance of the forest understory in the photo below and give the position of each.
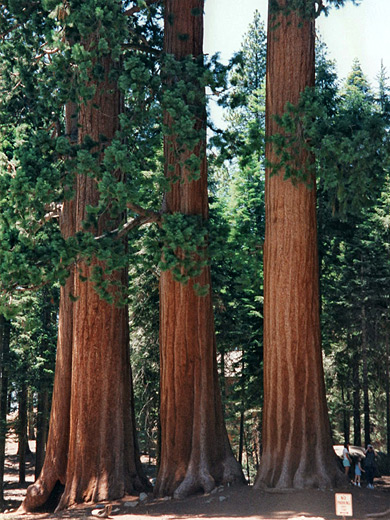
(239, 502)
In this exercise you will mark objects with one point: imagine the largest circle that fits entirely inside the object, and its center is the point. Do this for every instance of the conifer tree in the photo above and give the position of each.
(76, 169)
(195, 450)
(352, 254)
(297, 444)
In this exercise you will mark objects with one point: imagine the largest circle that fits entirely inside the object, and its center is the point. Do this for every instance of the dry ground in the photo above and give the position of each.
(230, 503)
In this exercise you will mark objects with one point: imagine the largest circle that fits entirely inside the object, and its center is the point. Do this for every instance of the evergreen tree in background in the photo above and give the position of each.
(237, 218)
(354, 258)
(33, 349)
(243, 138)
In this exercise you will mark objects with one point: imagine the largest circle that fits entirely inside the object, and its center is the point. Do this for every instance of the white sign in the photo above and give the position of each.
(343, 504)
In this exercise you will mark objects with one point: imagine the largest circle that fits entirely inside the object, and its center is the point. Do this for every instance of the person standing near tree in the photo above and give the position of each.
(358, 472)
(369, 465)
(347, 461)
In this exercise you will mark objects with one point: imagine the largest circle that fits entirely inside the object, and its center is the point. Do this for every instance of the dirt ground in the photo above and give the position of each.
(229, 503)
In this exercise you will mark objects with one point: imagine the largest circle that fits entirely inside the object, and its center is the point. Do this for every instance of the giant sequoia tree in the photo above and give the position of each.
(92, 449)
(195, 451)
(297, 443)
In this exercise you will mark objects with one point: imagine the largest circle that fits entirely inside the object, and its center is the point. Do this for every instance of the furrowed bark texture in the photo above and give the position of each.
(297, 444)
(92, 447)
(103, 461)
(195, 451)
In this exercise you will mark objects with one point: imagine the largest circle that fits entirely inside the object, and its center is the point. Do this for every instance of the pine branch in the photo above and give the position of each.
(138, 222)
(320, 7)
(145, 217)
(143, 48)
(8, 31)
(46, 52)
(140, 210)
(137, 9)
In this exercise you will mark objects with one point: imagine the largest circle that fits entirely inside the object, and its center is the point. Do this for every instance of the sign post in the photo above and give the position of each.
(343, 502)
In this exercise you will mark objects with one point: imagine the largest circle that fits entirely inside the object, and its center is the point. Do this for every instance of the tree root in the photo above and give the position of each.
(201, 479)
(44, 492)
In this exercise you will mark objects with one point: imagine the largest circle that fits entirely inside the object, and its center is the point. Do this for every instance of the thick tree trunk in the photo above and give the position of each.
(195, 451)
(103, 460)
(297, 443)
(92, 447)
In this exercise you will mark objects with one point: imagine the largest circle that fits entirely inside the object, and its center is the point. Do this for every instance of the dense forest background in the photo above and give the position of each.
(346, 125)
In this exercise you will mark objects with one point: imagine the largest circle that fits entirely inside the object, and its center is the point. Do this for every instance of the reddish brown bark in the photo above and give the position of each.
(297, 444)
(92, 447)
(195, 451)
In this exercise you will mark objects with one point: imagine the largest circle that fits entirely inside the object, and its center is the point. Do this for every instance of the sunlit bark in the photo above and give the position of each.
(195, 451)
(92, 450)
(297, 444)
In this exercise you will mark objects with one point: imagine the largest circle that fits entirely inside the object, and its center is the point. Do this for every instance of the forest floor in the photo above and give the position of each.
(229, 503)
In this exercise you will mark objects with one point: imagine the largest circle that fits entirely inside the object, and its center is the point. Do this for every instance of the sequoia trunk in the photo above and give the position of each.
(92, 448)
(297, 444)
(195, 451)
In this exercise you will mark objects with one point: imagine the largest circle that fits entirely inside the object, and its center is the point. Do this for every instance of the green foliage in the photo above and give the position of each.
(30, 167)
(353, 156)
(307, 8)
(62, 50)
(144, 332)
(34, 340)
(236, 237)
(184, 102)
(354, 248)
(184, 249)
(345, 131)
(245, 100)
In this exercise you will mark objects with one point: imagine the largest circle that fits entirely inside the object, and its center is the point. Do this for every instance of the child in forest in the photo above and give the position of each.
(358, 472)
